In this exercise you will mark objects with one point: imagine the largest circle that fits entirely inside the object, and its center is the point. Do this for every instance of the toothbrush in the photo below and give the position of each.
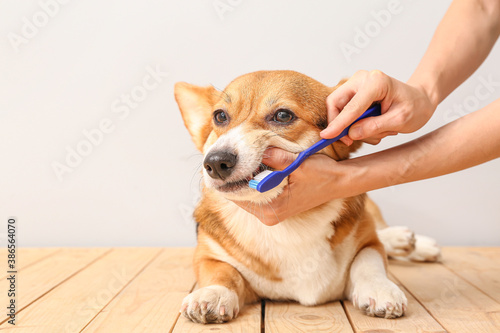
(268, 179)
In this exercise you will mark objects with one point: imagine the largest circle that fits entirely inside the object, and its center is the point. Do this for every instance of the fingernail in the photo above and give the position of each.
(356, 132)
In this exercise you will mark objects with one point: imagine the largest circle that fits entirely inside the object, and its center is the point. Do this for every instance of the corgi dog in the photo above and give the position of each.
(331, 252)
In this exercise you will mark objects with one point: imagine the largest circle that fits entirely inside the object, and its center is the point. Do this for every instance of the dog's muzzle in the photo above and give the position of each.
(220, 164)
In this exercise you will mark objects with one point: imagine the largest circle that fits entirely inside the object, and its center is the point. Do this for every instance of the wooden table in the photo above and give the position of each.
(140, 290)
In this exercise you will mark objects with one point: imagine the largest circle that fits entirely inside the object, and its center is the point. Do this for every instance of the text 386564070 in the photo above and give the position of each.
(11, 269)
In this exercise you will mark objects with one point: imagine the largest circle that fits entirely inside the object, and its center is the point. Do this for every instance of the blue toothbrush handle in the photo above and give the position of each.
(276, 177)
(373, 111)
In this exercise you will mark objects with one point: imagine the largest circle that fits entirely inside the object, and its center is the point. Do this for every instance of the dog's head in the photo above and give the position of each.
(234, 127)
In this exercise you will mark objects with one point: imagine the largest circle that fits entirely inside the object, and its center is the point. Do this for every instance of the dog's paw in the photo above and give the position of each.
(212, 304)
(380, 299)
(426, 249)
(398, 241)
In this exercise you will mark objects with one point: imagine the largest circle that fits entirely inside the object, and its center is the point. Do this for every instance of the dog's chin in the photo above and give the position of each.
(241, 191)
(252, 195)
(237, 189)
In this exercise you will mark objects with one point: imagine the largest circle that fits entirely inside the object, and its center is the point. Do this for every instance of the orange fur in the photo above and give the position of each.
(210, 271)
(374, 211)
(211, 225)
(248, 100)
(199, 102)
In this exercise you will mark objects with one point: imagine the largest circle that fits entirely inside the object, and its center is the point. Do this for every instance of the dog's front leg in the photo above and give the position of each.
(222, 293)
(370, 290)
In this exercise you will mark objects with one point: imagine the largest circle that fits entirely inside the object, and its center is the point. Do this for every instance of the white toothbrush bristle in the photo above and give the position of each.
(262, 175)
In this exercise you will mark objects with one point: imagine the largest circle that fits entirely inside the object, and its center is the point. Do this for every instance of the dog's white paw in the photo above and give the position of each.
(398, 241)
(212, 304)
(426, 249)
(380, 299)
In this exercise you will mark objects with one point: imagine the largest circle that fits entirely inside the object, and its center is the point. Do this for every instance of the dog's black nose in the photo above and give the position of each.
(220, 164)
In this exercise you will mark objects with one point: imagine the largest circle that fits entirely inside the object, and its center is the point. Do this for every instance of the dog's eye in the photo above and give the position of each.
(220, 117)
(283, 116)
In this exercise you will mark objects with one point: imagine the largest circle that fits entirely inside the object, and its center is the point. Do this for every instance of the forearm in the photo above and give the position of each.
(461, 144)
(460, 44)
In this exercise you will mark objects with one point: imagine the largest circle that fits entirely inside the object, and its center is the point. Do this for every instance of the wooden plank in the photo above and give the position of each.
(65, 288)
(479, 266)
(293, 317)
(151, 302)
(29, 256)
(70, 306)
(248, 321)
(26, 257)
(416, 318)
(46, 273)
(488, 251)
(456, 304)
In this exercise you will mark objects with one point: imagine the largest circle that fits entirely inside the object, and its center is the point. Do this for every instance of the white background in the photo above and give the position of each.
(138, 185)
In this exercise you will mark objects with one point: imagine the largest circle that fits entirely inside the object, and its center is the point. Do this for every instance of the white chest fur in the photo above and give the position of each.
(311, 271)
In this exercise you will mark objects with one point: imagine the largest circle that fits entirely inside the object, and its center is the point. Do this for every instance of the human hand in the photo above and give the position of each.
(405, 108)
(309, 186)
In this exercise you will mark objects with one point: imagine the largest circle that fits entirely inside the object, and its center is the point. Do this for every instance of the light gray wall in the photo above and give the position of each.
(138, 182)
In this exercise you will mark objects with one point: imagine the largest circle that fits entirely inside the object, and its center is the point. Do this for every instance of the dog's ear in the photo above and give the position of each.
(196, 105)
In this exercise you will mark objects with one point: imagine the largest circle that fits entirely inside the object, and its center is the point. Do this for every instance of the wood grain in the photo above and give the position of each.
(74, 303)
(293, 317)
(456, 304)
(26, 257)
(478, 266)
(42, 276)
(140, 290)
(151, 302)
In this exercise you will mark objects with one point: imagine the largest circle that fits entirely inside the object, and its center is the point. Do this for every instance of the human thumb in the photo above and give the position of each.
(278, 158)
(370, 127)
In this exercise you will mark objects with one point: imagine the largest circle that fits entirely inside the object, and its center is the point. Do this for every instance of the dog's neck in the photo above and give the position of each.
(240, 223)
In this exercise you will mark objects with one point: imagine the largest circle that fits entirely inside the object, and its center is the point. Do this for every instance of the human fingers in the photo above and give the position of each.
(372, 141)
(374, 87)
(274, 212)
(278, 158)
(337, 100)
(375, 140)
(374, 126)
(347, 140)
